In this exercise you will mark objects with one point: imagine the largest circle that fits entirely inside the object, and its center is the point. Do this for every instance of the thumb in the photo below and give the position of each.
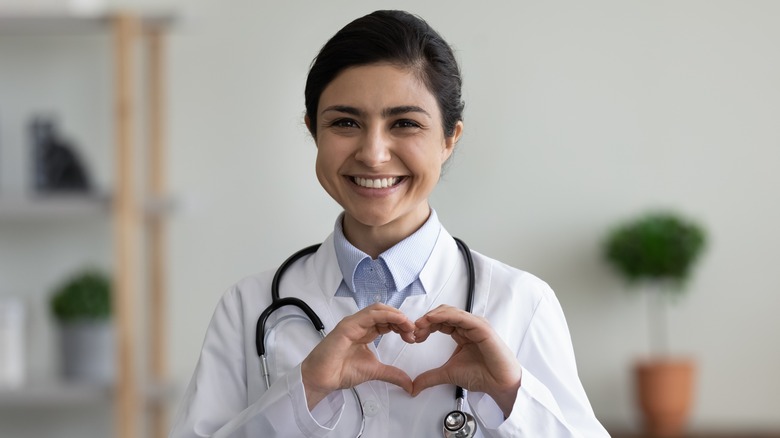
(396, 376)
(428, 379)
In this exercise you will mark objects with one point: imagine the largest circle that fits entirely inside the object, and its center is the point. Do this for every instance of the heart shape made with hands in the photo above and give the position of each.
(480, 362)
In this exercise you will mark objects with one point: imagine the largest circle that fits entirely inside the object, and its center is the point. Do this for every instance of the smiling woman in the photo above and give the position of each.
(383, 103)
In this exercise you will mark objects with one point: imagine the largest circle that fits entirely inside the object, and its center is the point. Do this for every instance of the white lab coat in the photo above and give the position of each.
(227, 395)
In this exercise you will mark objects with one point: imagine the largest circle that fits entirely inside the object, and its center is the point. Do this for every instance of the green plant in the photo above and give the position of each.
(84, 296)
(660, 249)
(655, 247)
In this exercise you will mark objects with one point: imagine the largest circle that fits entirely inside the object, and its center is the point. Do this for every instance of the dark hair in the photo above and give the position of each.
(396, 37)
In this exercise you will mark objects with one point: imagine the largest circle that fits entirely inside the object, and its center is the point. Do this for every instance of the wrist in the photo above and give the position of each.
(505, 398)
(313, 392)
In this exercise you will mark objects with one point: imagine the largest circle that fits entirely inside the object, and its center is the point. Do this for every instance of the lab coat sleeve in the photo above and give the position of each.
(551, 401)
(215, 402)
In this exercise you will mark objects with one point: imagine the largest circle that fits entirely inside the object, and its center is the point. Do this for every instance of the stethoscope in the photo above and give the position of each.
(456, 424)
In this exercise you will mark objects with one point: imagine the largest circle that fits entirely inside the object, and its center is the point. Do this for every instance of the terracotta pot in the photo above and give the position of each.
(665, 395)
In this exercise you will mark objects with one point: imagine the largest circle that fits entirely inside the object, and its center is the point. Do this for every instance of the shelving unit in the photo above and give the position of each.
(136, 395)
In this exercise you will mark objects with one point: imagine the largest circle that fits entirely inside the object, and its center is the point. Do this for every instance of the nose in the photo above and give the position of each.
(374, 148)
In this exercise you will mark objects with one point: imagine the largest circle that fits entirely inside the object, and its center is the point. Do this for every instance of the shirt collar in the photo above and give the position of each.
(405, 260)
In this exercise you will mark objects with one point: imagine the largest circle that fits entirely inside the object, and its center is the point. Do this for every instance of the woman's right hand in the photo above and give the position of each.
(343, 359)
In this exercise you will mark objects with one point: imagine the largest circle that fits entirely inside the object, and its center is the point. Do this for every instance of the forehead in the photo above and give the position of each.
(378, 86)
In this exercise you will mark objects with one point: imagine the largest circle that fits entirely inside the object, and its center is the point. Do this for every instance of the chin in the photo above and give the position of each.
(371, 219)
(377, 218)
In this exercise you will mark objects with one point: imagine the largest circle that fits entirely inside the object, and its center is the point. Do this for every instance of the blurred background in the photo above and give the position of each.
(579, 115)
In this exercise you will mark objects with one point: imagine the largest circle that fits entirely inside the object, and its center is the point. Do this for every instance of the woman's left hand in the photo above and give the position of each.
(481, 362)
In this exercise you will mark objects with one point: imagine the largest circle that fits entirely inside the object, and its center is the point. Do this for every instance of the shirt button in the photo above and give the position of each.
(377, 298)
(370, 408)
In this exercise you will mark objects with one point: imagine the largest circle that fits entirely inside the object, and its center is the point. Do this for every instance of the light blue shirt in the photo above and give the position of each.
(394, 275)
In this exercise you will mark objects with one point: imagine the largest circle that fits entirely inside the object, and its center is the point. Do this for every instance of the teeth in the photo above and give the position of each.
(376, 183)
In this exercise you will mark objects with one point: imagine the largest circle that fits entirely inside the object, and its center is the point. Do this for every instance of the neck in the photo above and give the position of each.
(374, 240)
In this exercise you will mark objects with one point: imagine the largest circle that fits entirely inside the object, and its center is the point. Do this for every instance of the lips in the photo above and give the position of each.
(376, 183)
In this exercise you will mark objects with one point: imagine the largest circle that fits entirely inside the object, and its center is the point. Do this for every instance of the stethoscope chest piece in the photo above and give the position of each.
(459, 424)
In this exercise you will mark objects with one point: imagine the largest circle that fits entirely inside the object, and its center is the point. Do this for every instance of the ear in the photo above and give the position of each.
(307, 120)
(451, 141)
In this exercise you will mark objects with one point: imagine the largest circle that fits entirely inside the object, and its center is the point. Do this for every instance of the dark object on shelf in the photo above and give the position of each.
(57, 166)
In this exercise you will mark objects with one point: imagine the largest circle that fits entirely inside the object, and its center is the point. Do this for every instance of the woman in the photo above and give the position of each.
(383, 103)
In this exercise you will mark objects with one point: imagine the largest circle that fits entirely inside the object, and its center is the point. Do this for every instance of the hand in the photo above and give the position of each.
(343, 360)
(481, 361)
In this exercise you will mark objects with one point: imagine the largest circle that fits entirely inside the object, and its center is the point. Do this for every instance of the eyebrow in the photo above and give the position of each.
(387, 112)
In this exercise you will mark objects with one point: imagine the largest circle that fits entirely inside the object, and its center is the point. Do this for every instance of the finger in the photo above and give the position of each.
(452, 321)
(449, 315)
(428, 379)
(421, 334)
(382, 314)
(396, 376)
(424, 322)
(372, 321)
(424, 326)
(406, 335)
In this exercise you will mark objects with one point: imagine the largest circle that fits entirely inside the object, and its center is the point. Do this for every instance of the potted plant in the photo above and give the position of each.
(82, 307)
(658, 250)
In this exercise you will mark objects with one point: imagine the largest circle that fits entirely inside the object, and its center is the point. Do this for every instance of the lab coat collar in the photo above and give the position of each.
(404, 260)
(327, 269)
(434, 275)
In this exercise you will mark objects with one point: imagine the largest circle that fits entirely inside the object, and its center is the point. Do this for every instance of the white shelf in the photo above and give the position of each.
(62, 22)
(59, 394)
(55, 394)
(54, 206)
(65, 206)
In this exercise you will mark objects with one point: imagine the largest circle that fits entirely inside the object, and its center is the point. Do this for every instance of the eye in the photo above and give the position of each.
(344, 123)
(406, 123)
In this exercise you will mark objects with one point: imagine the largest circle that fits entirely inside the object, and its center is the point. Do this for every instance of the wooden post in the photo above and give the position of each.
(126, 217)
(156, 191)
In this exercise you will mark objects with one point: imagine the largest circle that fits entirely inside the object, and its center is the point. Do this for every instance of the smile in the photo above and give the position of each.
(378, 183)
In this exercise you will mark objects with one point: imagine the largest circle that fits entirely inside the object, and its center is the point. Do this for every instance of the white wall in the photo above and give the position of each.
(577, 115)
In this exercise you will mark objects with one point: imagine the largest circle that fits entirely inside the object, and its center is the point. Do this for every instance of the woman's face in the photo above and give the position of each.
(381, 146)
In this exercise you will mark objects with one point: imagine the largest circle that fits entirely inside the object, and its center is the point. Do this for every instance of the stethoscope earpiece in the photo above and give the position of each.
(459, 424)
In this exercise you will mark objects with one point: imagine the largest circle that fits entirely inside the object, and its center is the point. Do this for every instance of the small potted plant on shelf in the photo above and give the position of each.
(82, 307)
(658, 251)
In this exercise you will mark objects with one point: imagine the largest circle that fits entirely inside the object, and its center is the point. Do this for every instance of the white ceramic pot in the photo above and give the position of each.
(88, 351)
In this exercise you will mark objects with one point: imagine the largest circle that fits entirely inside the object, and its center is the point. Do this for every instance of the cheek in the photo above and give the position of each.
(326, 167)
(321, 166)
(436, 159)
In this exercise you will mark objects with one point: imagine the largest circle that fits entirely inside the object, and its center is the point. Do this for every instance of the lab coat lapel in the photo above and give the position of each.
(328, 274)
